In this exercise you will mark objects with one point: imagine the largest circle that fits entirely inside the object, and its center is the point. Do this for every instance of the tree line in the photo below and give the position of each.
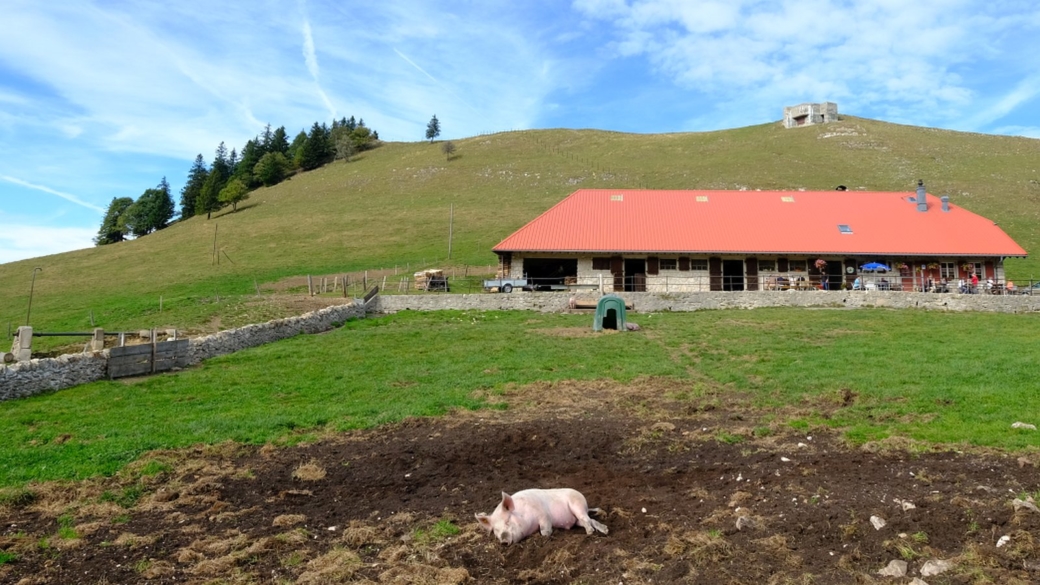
(266, 160)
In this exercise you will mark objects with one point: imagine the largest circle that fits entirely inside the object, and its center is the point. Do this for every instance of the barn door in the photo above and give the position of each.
(617, 268)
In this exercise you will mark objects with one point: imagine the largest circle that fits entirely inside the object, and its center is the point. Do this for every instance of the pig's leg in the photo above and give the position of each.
(545, 524)
(582, 515)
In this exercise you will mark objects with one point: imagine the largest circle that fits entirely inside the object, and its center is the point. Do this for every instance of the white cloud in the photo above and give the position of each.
(908, 58)
(19, 241)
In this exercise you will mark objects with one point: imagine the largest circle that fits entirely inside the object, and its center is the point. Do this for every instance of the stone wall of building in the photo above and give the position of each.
(700, 301)
(37, 376)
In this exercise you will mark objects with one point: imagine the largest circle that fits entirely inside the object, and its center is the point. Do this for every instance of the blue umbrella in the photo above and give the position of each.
(874, 267)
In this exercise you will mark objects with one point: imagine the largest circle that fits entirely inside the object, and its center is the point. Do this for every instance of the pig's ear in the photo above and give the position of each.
(507, 502)
(485, 522)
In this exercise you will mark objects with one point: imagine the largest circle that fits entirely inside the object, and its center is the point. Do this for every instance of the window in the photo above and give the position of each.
(796, 265)
(766, 265)
(948, 270)
(669, 264)
(844, 228)
(601, 263)
(698, 264)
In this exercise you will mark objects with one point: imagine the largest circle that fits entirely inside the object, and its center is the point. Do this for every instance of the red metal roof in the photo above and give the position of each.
(787, 222)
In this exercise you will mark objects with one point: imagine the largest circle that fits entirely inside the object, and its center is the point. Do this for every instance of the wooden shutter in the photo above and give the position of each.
(751, 268)
(617, 268)
(715, 273)
(653, 265)
(684, 263)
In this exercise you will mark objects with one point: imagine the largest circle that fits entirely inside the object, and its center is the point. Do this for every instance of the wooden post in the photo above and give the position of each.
(215, 245)
(310, 286)
(384, 283)
(153, 350)
(344, 280)
(451, 225)
(256, 287)
(160, 304)
(91, 323)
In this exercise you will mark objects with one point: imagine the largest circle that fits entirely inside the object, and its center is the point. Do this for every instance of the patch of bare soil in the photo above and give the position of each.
(693, 491)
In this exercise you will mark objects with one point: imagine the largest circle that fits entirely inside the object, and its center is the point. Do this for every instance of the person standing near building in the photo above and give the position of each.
(974, 282)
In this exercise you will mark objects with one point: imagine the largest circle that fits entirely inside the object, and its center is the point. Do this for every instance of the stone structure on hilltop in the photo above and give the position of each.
(808, 114)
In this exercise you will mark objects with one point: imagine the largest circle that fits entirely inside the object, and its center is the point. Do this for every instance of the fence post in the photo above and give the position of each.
(310, 286)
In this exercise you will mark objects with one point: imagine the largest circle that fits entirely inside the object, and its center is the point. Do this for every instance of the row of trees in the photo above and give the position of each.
(265, 160)
(152, 211)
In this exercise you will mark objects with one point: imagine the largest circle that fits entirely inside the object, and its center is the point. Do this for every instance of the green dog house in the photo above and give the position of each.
(610, 313)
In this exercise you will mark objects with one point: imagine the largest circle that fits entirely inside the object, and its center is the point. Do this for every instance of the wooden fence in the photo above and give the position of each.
(147, 358)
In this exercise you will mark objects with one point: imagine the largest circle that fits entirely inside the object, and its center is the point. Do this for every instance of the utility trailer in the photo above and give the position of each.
(506, 285)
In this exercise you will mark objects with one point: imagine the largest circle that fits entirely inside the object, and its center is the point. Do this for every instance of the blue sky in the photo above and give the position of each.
(102, 99)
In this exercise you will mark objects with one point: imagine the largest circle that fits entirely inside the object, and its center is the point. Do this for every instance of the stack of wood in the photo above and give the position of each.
(422, 278)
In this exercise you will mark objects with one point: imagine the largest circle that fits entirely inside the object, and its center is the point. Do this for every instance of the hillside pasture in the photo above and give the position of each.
(391, 207)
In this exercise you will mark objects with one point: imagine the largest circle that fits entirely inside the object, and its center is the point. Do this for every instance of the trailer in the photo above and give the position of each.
(506, 285)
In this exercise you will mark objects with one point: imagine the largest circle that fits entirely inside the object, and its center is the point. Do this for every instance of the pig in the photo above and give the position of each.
(529, 511)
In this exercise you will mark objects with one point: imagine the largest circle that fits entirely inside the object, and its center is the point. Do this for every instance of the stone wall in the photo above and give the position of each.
(699, 301)
(43, 375)
(36, 376)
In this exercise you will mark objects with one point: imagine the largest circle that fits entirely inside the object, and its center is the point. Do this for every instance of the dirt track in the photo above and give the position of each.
(674, 475)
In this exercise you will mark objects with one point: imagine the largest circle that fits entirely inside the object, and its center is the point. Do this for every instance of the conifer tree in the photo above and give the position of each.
(279, 142)
(190, 193)
(433, 129)
(209, 196)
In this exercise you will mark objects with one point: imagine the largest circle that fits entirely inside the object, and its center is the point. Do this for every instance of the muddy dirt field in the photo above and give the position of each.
(693, 490)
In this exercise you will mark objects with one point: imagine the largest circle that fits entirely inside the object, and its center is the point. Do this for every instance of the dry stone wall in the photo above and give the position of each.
(44, 375)
(36, 376)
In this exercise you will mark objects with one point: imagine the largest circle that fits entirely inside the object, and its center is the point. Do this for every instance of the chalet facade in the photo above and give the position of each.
(678, 241)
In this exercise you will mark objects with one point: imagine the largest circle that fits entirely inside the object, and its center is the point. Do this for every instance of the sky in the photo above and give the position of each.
(103, 99)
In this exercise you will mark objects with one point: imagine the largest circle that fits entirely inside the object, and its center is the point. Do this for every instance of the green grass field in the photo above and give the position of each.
(948, 378)
(390, 207)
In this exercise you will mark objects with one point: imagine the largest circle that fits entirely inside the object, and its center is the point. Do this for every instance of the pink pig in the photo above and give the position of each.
(530, 511)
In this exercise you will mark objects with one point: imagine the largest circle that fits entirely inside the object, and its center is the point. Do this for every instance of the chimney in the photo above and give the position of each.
(946, 203)
(922, 205)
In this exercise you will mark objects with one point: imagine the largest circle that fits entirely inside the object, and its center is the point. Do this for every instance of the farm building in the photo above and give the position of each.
(676, 241)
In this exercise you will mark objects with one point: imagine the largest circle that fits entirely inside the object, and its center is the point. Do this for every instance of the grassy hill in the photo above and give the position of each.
(390, 207)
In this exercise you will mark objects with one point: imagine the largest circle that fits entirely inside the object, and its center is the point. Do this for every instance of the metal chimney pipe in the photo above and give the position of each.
(945, 203)
(922, 205)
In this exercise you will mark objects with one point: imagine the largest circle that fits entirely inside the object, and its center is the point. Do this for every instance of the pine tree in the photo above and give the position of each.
(162, 208)
(279, 142)
(316, 149)
(190, 193)
(433, 129)
(251, 154)
(264, 143)
(209, 196)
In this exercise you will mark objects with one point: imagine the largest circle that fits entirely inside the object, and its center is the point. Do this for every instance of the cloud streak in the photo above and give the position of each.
(310, 57)
(65, 196)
